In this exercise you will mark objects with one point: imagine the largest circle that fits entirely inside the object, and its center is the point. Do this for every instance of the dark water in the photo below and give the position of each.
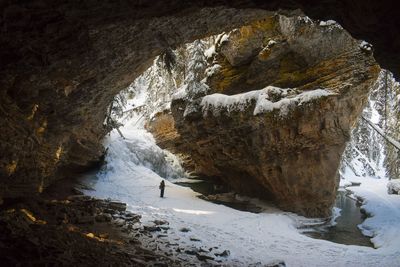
(344, 232)
(206, 188)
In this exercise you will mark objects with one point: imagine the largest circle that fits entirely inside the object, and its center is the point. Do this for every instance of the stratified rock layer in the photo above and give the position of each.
(289, 148)
(63, 68)
(62, 62)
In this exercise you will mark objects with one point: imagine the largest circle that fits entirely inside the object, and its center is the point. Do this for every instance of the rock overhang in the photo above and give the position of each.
(70, 59)
(278, 143)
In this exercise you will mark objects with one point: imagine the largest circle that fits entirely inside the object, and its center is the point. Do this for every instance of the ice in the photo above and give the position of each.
(383, 209)
(265, 237)
(136, 165)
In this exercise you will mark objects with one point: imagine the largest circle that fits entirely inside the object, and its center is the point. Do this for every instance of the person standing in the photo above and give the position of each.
(162, 187)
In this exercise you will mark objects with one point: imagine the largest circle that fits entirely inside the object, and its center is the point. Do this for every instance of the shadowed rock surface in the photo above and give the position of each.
(62, 73)
(77, 231)
(62, 62)
(289, 148)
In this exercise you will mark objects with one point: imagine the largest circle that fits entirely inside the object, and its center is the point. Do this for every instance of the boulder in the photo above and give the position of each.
(278, 113)
(103, 217)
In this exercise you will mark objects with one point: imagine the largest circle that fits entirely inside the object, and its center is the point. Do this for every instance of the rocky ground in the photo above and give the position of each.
(76, 231)
(66, 228)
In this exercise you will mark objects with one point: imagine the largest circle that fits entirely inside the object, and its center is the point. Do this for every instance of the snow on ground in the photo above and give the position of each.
(131, 176)
(383, 225)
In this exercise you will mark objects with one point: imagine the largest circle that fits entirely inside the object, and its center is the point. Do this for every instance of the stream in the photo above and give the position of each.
(345, 231)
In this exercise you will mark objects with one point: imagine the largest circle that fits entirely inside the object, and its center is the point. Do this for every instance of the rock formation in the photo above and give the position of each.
(62, 63)
(77, 231)
(56, 85)
(262, 140)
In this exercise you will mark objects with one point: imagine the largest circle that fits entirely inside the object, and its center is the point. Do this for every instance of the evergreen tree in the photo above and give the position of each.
(368, 153)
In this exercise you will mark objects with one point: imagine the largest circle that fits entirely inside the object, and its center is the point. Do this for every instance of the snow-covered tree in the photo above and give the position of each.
(368, 152)
(172, 70)
(392, 127)
(197, 62)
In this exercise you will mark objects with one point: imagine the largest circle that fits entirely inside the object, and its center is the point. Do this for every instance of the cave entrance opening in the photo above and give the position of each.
(67, 65)
(264, 107)
(188, 73)
(146, 106)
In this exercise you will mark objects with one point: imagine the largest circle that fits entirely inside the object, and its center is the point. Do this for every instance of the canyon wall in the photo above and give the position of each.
(62, 71)
(62, 62)
(283, 94)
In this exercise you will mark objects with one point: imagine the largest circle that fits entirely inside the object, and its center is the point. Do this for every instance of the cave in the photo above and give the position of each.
(63, 63)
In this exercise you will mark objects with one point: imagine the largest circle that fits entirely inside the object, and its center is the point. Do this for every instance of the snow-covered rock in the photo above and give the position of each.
(266, 100)
(393, 187)
(245, 235)
(366, 46)
(273, 142)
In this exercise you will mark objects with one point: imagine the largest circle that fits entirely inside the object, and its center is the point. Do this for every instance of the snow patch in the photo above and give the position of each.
(210, 52)
(366, 46)
(305, 19)
(271, 43)
(210, 71)
(181, 93)
(134, 179)
(327, 23)
(224, 38)
(383, 210)
(394, 187)
(265, 100)
(365, 167)
(331, 24)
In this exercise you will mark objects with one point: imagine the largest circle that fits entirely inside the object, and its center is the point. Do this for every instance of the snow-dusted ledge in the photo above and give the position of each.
(266, 100)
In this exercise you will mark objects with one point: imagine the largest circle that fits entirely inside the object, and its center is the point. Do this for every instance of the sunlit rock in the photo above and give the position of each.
(282, 142)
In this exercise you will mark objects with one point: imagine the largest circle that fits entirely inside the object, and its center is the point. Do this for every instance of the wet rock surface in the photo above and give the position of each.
(289, 151)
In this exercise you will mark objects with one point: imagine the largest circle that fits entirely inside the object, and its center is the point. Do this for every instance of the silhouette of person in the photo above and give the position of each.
(162, 187)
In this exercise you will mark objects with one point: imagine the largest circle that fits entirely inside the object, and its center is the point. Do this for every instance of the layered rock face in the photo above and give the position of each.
(265, 141)
(64, 66)
(62, 62)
